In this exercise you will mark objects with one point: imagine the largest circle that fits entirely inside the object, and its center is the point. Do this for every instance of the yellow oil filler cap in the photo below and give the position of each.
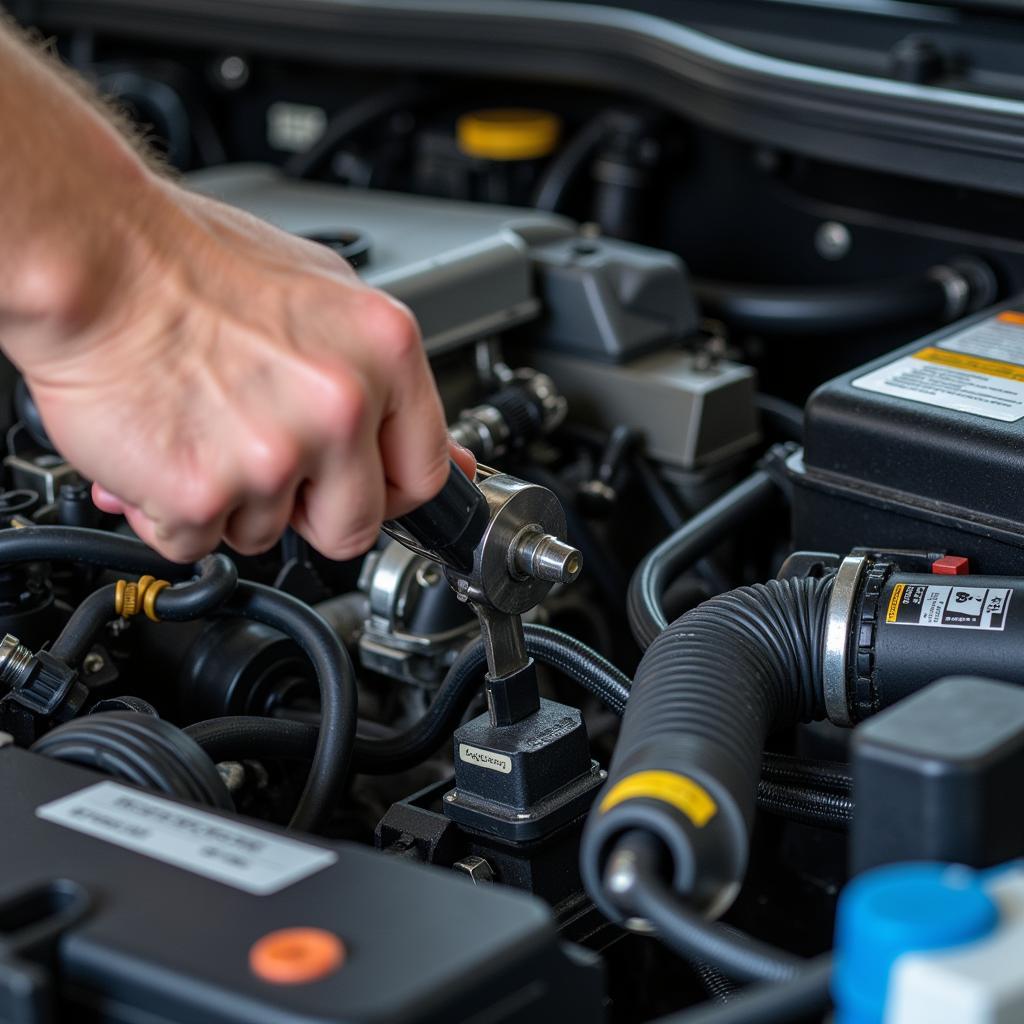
(508, 133)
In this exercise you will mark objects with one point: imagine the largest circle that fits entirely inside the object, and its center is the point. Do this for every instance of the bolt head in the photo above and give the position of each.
(477, 868)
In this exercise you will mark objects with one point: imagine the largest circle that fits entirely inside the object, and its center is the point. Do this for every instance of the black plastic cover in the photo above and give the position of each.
(936, 776)
(166, 944)
(884, 471)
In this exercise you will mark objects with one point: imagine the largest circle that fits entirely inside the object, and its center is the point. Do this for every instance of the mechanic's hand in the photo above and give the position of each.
(222, 379)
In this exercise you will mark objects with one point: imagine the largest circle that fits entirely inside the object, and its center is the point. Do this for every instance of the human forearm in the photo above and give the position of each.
(72, 189)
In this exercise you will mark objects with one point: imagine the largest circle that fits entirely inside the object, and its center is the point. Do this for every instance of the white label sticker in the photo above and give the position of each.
(979, 370)
(238, 855)
(486, 758)
(951, 607)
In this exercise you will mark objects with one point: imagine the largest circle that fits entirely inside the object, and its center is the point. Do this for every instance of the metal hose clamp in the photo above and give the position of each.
(834, 663)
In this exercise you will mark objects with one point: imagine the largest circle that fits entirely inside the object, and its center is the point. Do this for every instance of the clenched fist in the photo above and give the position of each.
(216, 377)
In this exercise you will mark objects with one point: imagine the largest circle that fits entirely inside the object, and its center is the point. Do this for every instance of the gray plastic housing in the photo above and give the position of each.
(465, 270)
(603, 317)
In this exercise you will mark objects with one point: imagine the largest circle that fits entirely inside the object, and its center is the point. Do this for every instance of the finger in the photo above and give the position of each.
(464, 458)
(179, 543)
(105, 501)
(414, 448)
(257, 524)
(340, 509)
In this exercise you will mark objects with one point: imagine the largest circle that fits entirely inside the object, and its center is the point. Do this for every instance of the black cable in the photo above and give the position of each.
(549, 646)
(352, 119)
(240, 737)
(802, 771)
(680, 551)
(805, 805)
(807, 995)
(639, 890)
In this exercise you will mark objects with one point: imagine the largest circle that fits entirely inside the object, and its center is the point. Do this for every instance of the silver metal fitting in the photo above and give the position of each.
(543, 557)
(15, 660)
(835, 660)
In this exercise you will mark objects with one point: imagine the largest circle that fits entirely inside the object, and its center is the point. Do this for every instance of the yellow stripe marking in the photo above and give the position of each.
(682, 793)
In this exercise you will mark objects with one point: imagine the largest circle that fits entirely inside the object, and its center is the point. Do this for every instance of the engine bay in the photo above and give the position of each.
(702, 702)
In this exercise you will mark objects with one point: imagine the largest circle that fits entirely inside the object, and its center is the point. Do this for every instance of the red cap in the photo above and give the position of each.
(951, 565)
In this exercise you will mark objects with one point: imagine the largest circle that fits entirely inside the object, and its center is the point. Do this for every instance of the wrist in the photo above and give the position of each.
(73, 271)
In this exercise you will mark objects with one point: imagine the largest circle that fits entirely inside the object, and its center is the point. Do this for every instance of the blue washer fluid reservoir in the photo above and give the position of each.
(899, 909)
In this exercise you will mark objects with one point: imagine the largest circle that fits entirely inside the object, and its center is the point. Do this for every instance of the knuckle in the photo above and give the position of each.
(393, 327)
(342, 404)
(201, 501)
(270, 465)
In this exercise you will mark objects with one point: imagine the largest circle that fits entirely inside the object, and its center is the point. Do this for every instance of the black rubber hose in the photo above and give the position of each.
(248, 737)
(336, 682)
(835, 309)
(217, 580)
(91, 547)
(334, 672)
(86, 621)
(228, 739)
(681, 550)
(688, 759)
(641, 892)
(799, 771)
(140, 749)
(806, 996)
(805, 805)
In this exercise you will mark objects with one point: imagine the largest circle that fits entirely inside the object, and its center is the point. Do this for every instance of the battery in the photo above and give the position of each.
(923, 448)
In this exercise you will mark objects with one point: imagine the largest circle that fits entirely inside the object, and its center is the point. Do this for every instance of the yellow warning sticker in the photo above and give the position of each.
(978, 369)
(680, 792)
(973, 364)
(894, 602)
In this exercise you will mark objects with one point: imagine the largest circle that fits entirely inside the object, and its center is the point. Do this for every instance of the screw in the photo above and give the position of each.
(93, 662)
(477, 868)
(832, 240)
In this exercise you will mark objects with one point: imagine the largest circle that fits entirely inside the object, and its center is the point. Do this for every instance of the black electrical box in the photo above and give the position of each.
(117, 905)
(935, 777)
(923, 449)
